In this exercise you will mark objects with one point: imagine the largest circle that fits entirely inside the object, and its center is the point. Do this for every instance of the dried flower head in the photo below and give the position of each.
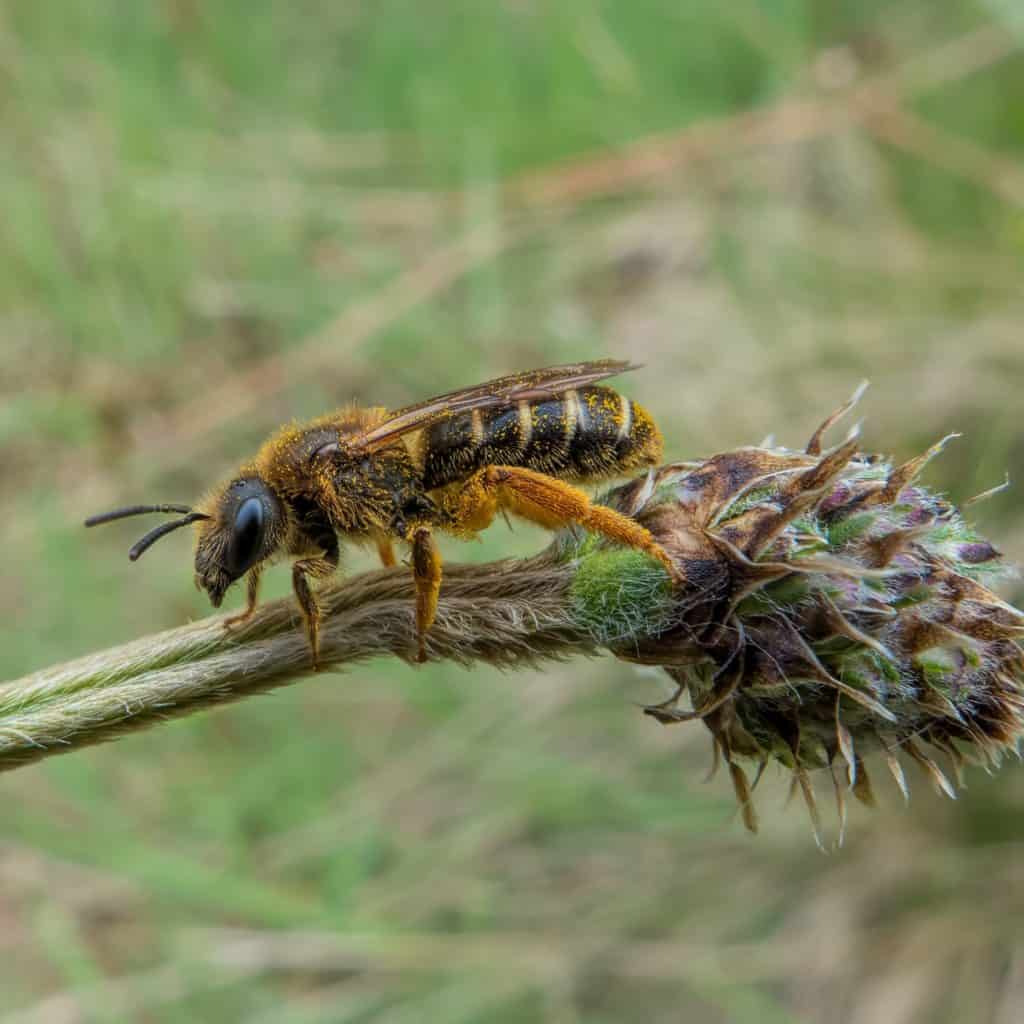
(836, 607)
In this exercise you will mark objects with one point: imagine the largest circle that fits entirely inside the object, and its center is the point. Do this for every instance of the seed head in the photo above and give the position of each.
(834, 607)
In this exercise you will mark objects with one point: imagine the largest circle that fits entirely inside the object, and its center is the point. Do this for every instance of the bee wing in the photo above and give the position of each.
(504, 391)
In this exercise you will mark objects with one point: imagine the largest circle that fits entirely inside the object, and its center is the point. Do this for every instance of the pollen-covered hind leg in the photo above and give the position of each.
(252, 596)
(550, 503)
(426, 572)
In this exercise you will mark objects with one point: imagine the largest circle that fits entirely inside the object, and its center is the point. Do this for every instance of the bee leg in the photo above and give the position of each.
(550, 503)
(426, 572)
(302, 572)
(386, 552)
(252, 594)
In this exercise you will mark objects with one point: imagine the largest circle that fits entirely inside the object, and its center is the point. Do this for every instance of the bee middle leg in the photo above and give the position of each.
(303, 571)
(426, 572)
(548, 502)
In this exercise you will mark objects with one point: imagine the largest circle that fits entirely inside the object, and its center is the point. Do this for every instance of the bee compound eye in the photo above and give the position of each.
(246, 537)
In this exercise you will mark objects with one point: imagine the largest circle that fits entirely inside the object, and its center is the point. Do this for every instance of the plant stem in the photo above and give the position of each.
(506, 613)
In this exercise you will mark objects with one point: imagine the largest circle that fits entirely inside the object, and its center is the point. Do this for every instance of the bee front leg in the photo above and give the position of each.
(303, 571)
(252, 595)
(426, 572)
(386, 552)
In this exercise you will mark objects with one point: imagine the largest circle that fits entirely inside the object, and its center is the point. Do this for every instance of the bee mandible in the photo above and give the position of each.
(516, 445)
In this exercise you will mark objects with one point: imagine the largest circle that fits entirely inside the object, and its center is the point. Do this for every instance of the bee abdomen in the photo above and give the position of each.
(613, 434)
(591, 432)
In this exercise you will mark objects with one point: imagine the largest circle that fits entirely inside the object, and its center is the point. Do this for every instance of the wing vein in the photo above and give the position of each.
(506, 391)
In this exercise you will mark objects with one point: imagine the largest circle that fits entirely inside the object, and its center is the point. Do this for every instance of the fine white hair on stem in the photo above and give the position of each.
(505, 613)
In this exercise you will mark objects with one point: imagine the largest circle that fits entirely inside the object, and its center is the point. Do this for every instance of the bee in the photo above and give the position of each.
(517, 445)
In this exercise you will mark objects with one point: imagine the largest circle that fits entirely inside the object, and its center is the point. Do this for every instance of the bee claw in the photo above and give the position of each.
(674, 573)
(315, 655)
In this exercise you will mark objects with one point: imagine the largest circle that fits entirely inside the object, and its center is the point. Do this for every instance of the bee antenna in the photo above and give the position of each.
(134, 510)
(140, 547)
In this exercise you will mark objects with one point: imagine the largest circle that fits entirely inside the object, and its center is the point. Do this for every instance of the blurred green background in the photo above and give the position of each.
(218, 216)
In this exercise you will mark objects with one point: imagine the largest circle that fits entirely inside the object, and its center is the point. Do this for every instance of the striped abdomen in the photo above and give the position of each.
(588, 433)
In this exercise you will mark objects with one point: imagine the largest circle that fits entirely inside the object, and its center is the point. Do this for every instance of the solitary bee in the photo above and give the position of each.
(451, 463)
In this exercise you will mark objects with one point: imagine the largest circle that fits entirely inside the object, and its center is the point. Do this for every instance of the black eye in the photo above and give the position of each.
(246, 537)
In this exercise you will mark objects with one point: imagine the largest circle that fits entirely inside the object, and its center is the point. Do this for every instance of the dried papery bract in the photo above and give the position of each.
(835, 607)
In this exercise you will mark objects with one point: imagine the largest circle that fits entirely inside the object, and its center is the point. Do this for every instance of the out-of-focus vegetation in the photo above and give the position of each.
(219, 216)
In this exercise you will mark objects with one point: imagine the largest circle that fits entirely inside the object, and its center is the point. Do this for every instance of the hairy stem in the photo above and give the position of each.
(506, 613)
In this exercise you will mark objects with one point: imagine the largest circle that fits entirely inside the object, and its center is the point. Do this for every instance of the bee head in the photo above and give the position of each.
(244, 525)
(244, 528)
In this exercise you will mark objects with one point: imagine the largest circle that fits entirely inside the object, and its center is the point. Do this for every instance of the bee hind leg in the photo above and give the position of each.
(426, 572)
(550, 503)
